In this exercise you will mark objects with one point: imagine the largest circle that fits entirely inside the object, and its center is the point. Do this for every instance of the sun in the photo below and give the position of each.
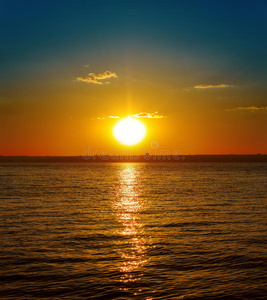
(129, 131)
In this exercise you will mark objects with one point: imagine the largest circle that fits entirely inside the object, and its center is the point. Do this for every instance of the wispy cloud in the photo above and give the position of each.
(104, 75)
(154, 115)
(89, 80)
(109, 117)
(209, 86)
(250, 108)
(95, 77)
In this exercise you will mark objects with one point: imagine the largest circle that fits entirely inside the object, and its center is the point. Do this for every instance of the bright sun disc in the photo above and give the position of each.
(129, 131)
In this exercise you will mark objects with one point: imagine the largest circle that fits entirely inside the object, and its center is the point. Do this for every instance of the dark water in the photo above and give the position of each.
(133, 231)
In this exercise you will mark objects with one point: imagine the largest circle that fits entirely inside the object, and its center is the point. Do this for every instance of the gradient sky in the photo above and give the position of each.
(200, 64)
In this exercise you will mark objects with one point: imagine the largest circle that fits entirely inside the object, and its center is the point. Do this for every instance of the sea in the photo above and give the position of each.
(133, 231)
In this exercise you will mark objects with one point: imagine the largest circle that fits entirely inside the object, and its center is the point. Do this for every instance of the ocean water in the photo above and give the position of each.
(133, 231)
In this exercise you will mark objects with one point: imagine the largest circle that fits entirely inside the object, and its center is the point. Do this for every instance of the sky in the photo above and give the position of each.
(194, 72)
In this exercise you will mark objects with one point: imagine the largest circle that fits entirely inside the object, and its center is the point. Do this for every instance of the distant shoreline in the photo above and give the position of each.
(141, 158)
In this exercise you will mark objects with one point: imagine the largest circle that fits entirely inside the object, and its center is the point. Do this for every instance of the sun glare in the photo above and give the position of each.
(129, 131)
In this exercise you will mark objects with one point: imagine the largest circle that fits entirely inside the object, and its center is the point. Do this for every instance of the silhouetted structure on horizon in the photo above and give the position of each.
(140, 158)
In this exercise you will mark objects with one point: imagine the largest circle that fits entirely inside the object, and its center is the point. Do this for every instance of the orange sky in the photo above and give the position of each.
(65, 72)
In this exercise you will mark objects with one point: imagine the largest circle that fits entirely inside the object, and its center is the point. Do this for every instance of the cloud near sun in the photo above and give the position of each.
(154, 115)
(95, 77)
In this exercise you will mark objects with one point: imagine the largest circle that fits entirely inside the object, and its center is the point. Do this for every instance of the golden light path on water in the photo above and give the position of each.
(128, 208)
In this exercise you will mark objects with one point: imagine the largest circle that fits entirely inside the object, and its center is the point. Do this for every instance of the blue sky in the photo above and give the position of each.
(223, 32)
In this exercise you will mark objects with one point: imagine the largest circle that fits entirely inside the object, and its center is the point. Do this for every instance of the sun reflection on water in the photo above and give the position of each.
(128, 208)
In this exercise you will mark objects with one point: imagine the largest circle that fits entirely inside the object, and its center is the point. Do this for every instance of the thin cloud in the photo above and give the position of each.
(109, 117)
(89, 80)
(95, 77)
(104, 75)
(209, 86)
(251, 108)
(154, 115)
